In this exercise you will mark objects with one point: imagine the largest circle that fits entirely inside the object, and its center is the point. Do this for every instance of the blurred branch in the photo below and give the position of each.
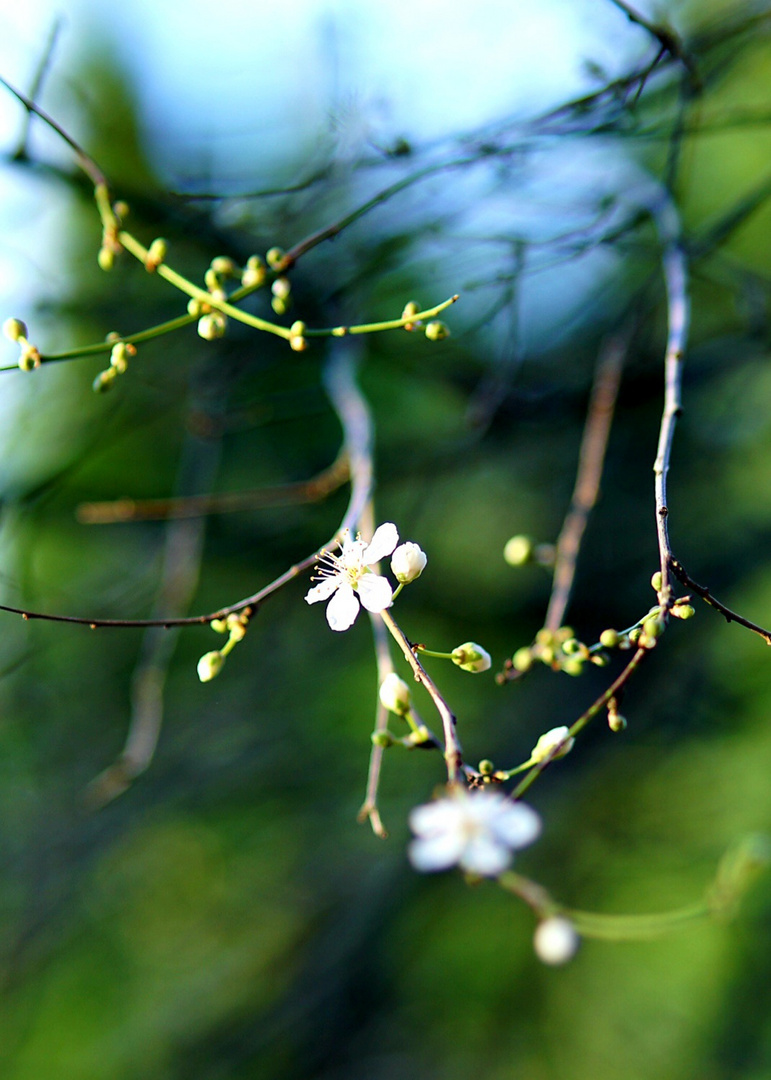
(594, 443)
(20, 154)
(305, 491)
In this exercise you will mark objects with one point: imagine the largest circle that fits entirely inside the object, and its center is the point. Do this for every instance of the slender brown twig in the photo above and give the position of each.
(590, 463)
(701, 590)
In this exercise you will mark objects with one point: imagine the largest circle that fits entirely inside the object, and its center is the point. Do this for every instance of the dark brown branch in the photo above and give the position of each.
(701, 590)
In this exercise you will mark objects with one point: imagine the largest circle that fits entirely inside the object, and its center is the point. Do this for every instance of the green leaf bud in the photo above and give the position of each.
(210, 665)
(518, 550)
(437, 331)
(609, 639)
(471, 657)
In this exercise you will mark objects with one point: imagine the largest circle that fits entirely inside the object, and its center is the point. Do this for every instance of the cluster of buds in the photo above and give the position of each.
(111, 245)
(16, 330)
(211, 322)
(434, 330)
(560, 650)
(211, 663)
(119, 358)
(297, 338)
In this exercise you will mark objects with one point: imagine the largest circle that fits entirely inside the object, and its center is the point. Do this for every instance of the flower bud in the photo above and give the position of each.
(656, 581)
(281, 288)
(410, 309)
(210, 665)
(106, 258)
(275, 257)
(212, 326)
(554, 744)
(471, 657)
(518, 550)
(15, 329)
(395, 694)
(486, 767)
(382, 738)
(616, 722)
(156, 253)
(522, 659)
(437, 331)
(683, 611)
(104, 380)
(254, 272)
(223, 266)
(408, 562)
(556, 940)
(297, 339)
(574, 665)
(609, 639)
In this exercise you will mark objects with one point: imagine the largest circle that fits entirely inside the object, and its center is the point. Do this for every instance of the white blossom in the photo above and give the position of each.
(477, 831)
(347, 580)
(408, 562)
(555, 940)
(554, 744)
(395, 694)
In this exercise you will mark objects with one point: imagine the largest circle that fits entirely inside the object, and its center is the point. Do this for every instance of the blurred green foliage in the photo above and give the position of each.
(227, 916)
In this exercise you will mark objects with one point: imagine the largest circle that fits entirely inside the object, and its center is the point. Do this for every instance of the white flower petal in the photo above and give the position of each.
(437, 817)
(516, 825)
(343, 608)
(483, 855)
(323, 590)
(437, 853)
(383, 542)
(374, 592)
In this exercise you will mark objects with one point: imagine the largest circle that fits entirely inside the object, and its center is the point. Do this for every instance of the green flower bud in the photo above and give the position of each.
(683, 611)
(616, 722)
(382, 738)
(104, 380)
(254, 273)
(573, 666)
(471, 657)
(223, 266)
(656, 581)
(156, 253)
(395, 694)
(437, 331)
(210, 665)
(212, 326)
(410, 309)
(15, 330)
(653, 628)
(609, 639)
(518, 550)
(600, 659)
(522, 660)
(486, 767)
(275, 257)
(554, 744)
(281, 288)
(106, 258)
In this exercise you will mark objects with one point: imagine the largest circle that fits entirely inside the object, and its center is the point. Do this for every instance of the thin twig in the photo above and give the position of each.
(590, 463)
(675, 276)
(20, 154)
(304, 491)
(701, 590)
(453, 753)
(529, 778)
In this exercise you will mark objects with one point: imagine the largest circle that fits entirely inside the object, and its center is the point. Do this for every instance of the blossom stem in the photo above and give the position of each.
(429, 652)
(453, 753)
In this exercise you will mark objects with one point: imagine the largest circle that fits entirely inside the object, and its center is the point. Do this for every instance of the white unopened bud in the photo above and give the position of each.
(556, 940)
(395, 694)
(408, 562)
(210, 665)
(554, 744)
(471, 657)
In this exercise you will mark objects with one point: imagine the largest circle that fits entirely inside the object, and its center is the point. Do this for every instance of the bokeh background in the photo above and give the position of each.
(226, 917)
